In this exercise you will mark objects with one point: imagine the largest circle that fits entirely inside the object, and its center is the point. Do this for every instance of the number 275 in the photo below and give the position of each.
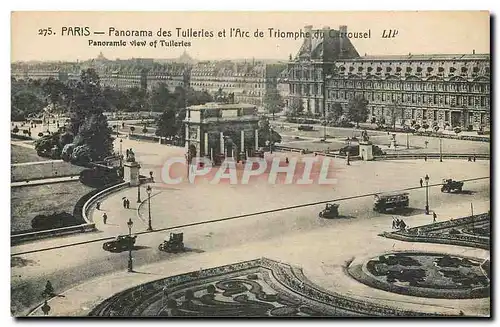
(45, 31)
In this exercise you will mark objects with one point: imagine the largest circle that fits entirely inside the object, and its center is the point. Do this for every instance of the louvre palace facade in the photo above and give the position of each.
(448, 89)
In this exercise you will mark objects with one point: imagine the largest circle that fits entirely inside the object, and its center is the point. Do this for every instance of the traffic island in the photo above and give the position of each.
(430, 275)
(472, 231)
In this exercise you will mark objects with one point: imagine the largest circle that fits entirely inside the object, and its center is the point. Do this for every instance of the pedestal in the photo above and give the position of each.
(366, 151)
(131, 173)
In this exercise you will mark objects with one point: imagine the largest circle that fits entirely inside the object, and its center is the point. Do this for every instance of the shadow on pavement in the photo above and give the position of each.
(140, 247)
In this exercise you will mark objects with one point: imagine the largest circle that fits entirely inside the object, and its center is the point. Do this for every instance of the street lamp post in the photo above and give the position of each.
(139, 191)
(440, 148)
(121, 155)
(426, 194)
(149, 190)
(130, 223)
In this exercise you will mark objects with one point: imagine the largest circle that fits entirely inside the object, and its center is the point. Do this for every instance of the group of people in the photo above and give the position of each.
(398, 224)
(126, 203)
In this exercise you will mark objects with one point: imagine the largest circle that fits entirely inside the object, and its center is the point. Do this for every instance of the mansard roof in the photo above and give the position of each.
(423, 57)
(334, 46)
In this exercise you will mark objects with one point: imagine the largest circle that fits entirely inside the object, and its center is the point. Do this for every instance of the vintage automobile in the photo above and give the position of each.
(174, 243)
(390, 201)
(331, 211)
(258, 153)
(219, 159)
(449, 185)
(305, 128)
(121, 243)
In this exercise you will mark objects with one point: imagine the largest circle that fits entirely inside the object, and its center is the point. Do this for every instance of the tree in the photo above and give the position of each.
(296, 107)
(15, 130)
(273, 103)
(132, 129)
(88, 123)
(167, 124)
(96, 134)
(54, 90)
(457, 130)
(137, 98)
(24, 103)
(335, 112)
(425, 126)
(267, 133)
(160, 98)
(396, 111)
(357, 110)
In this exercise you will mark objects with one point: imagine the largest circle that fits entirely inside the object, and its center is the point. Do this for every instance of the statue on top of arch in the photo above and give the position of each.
(222, 97)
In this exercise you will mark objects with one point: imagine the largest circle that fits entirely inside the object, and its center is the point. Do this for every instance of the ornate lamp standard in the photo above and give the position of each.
(130, 223)
(149, 190)
(139, 191)
(121, 155)
(426, 194)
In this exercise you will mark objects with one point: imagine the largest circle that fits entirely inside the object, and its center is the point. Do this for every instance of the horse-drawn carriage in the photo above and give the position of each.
(174, 243)
(331, 211)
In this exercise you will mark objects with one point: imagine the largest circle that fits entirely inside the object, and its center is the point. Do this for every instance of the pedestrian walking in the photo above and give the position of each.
(128, 203)
(474, 158)
(421, 182)
(469, 159)
(434, 216)
(125, 203)
(104, 218)
(286, 160)
(45, 308)
(425, 157)
(98, 205)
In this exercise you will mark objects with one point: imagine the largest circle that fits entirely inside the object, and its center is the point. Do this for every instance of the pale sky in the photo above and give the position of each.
(418, 32)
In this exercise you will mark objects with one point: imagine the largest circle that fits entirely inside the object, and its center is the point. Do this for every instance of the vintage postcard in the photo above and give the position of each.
(250, 164)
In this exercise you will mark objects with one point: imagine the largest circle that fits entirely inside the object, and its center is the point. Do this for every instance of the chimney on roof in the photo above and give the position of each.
(308, 39)
(342, 35)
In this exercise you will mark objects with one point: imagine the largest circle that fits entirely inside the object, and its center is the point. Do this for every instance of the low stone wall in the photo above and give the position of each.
(80, 212)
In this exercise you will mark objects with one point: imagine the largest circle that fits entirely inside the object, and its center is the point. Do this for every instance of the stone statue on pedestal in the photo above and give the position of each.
(130, 156)
(364, 136)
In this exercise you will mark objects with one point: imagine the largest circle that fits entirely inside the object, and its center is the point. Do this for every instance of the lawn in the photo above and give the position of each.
(29, 201)
(20, 154)
(44, 170)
